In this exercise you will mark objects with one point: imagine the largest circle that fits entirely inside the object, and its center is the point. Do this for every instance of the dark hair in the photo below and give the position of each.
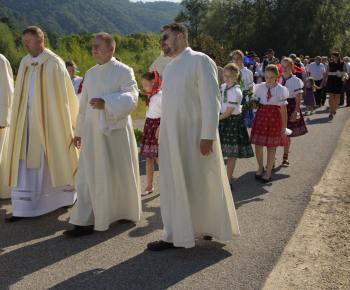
(33, 30)
(212, 55)
(148, 76)
(70, 63)
(118, 59)
(337, 54)
(177, 28)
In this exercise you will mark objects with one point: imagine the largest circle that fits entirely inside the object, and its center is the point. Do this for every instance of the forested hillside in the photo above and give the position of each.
(305, 27)
(66, 17)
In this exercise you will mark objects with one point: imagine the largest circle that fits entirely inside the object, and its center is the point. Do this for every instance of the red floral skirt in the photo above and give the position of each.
(149, 142)
(298, 127)
(267, 127)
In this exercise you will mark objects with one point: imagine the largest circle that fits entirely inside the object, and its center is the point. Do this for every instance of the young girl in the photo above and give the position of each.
(309, 96)
(270, 121)
(233, 132)
(296, 121)
(149, 144)
(247, 81)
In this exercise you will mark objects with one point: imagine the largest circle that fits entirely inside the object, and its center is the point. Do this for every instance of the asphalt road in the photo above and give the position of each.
(35, 255)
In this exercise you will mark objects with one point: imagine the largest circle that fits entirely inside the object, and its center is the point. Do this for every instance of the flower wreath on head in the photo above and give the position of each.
(155, 89)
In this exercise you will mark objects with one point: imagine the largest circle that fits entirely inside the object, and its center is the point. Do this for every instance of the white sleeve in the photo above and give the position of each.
(250, 78)
(283, 95)
(209, 95)
(234, 98)
(298, 86)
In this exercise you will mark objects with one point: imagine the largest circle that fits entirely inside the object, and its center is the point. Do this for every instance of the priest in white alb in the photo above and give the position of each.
(108, 182)
(6, 96)
(42, 160)
(195, 196)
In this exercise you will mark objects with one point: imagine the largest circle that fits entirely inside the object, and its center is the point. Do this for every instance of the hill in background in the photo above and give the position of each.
(67, 17)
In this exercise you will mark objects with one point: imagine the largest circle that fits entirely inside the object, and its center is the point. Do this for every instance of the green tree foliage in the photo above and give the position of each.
(66, 17)
(288, 26)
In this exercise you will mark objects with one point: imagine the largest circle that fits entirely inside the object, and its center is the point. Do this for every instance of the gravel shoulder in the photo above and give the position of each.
(317, 256)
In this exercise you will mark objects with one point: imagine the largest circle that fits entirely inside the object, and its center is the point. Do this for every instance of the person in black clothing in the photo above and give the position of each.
(334, 83)
(253, 67)
(270, 58)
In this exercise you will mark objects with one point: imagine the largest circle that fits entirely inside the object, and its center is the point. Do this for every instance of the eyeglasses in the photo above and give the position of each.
(166, 36)
(97, 46)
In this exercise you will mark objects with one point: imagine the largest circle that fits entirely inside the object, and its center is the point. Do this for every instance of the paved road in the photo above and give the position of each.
(35, 255)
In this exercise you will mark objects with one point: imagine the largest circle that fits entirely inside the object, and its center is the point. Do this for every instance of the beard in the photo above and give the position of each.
(171, 51)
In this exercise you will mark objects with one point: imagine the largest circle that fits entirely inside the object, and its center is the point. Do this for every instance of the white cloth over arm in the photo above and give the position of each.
(108, 182)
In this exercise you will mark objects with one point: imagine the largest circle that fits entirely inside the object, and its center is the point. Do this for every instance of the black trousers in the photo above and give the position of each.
(346, 90)
(319, 93)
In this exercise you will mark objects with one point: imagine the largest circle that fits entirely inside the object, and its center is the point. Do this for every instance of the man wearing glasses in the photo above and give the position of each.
(195, 194)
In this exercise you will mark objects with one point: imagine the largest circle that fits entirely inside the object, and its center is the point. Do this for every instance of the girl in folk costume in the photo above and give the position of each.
(233, 132)
(336, 69)
(149, 144)
(296, 121)
(247, 81)
(270, 121)
(309, 96)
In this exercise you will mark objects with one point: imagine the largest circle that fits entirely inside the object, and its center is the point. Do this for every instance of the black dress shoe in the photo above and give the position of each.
(79, 231)
(13, 219)
(161, 246)
(263, 180)
(348, 105)
(208, 238)
(125, 221)
(67, 206)
(258, 177)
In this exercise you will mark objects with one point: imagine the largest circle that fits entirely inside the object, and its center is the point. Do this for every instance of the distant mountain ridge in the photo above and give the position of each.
(66, 17)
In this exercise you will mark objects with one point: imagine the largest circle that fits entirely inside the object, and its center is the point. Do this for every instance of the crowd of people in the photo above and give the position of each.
(68, 141)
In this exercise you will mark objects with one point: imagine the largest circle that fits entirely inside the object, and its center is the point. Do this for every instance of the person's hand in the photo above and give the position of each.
(293, 118)
(206, 147)
(77, 142)
(283, 132)
(157, 132)
(97, 103)
(254, 106)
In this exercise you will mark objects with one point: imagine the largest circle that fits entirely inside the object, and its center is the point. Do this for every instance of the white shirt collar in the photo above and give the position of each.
(37, 57)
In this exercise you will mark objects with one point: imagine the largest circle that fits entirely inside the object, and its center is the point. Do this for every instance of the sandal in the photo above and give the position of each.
(285, 162)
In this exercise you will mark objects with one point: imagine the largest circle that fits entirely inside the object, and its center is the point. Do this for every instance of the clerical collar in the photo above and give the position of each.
(102, 65)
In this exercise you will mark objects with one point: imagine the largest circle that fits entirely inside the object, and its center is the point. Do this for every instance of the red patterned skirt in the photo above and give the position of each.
(267, 127)
(298, 127)
(149, 142)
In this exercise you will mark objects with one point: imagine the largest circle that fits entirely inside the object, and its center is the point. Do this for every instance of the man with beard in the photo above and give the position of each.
(195, 194)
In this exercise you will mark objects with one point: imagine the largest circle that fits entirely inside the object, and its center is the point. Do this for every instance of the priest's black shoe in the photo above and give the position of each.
(161, 246)
(79, 231)
(13, 219)
(208, 238)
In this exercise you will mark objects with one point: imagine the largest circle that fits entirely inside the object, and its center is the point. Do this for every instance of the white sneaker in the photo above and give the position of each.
(145, 192)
